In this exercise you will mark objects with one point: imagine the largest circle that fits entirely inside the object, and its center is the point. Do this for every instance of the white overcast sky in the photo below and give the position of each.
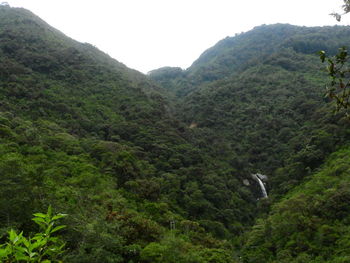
(148, 34)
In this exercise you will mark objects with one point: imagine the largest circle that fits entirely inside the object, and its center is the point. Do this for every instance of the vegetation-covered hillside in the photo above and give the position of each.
(311, 223)
(97, 141)
(257, 100)
(233, 55)
(158, 168)
(264, 107)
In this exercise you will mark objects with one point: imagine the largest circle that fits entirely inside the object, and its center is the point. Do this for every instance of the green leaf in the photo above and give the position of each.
(58, 228)
(33, 254)
(35, 245)
(58, 216)
(12, 235)
(49, 211)
(4, 252)
(40, 215)
(26, 242)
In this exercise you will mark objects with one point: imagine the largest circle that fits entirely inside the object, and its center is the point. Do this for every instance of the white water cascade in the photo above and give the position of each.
(262, 186)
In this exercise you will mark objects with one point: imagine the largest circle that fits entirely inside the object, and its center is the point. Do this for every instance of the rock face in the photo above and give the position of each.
(246, 182)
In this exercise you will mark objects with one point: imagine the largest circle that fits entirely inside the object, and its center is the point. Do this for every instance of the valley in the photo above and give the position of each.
(158, 167)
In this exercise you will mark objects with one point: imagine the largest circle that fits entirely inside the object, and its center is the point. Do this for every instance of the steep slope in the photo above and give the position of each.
(52, 73)
(233, 55)
(257, 100)
(259, 97)
(98, 141)
(105, 144)
(260, 110)
(311, 223)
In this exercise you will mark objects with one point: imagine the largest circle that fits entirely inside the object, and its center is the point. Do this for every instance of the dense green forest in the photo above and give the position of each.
(157, 168)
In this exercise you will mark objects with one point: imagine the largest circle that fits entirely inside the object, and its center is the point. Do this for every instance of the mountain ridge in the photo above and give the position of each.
(157, 168)
(83, 134)
(223, 59)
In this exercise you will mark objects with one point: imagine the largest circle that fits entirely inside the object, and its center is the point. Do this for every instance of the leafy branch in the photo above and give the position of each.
(43, 247)
(339, 72)
(345, 7)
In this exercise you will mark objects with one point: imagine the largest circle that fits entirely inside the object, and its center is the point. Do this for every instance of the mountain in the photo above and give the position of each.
(236, 53)
(261, 96)
(257, 100)
(233, 55)
(99, 142)
(158, 168)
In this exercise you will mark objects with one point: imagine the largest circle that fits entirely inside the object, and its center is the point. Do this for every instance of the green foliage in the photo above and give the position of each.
(173, 248)
(346, 9)
(42, 247)
(339, 72)
(100, 142)
(265, 98)
(124, 155)
(311, 223)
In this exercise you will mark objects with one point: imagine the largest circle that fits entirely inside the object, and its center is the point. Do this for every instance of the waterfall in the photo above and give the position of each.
(262, 186)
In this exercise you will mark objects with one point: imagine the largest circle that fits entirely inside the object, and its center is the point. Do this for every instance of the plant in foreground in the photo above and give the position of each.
(42, 247)
(339, 71)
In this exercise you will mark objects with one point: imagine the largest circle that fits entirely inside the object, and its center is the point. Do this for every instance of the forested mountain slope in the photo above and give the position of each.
(236, 53)
(260, 97)
(311, 223)
(233, 55)
(97, 141)
(157, 168)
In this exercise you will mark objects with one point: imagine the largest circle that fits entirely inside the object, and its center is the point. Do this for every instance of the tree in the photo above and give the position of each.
(345, 7)
(339, 71)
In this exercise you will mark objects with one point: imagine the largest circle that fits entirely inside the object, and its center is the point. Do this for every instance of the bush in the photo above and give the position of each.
(42, 247)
